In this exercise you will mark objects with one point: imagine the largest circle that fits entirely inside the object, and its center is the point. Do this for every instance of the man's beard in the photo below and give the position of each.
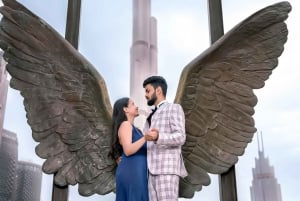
(152, 100)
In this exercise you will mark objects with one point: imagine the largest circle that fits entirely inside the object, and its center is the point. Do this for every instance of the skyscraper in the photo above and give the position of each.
(8, 165)
(29, 180)
(264, 184)
(3, 92)
(143, 54)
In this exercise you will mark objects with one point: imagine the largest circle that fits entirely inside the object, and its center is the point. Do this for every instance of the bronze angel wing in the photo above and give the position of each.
(66, 101)
(216, 93)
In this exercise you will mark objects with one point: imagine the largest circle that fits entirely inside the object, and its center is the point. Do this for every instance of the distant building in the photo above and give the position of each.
(3, 92)
(143, 55)
(8, 165)
(264, 184)
(29, 181)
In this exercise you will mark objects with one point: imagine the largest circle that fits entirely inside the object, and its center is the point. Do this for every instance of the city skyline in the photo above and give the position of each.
(19, 180)
(268, 111)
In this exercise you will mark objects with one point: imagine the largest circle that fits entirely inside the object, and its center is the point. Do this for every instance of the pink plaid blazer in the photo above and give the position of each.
(164, 155)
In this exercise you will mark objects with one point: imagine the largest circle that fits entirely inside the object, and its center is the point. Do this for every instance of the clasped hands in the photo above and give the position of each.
(151, 135)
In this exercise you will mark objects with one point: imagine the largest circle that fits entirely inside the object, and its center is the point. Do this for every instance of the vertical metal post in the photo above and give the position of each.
(227, 185)
(73, 22)
(227, 180)
(60, 193)
(215, 20)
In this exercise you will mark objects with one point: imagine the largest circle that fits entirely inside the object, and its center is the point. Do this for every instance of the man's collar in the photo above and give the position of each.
(162, 102)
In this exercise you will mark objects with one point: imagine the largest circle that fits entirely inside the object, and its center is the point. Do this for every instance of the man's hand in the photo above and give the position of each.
(152, 135)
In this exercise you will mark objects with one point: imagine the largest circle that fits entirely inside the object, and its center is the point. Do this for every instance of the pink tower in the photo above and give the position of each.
(3, 92)
(265, 186)
(143, 53)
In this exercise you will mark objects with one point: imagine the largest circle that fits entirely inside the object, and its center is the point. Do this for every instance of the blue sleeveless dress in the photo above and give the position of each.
(132, 174)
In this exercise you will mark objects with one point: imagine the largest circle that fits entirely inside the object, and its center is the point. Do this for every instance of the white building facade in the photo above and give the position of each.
(143, 55)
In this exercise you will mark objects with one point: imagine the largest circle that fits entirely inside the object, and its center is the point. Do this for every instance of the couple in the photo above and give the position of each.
(149, 171)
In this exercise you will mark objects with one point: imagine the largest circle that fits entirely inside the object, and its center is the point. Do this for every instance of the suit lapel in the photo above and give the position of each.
(156, 115)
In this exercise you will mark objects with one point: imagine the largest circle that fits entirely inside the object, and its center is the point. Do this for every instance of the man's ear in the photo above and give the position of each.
(159, 90)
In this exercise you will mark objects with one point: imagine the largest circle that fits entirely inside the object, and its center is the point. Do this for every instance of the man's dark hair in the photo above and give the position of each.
(157, 81)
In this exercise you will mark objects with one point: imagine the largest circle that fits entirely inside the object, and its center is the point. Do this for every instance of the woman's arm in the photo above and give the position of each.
(125, 137)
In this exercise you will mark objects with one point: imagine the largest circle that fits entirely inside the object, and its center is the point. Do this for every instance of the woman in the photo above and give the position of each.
(130, 144)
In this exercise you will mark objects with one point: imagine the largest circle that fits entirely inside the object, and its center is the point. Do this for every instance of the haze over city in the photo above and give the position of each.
(105, 40)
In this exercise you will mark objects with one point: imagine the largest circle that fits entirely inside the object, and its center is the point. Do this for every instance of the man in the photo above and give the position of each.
(166, 128)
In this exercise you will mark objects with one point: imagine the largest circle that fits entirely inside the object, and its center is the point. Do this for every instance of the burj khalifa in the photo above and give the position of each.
(143, 55)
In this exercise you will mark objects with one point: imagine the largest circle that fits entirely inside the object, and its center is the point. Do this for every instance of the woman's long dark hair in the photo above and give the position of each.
(118, 117)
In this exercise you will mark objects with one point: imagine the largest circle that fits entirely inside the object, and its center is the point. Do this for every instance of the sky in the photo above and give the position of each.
(105, 40)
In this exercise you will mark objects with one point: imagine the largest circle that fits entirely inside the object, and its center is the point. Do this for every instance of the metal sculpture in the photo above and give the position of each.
(69, 111)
